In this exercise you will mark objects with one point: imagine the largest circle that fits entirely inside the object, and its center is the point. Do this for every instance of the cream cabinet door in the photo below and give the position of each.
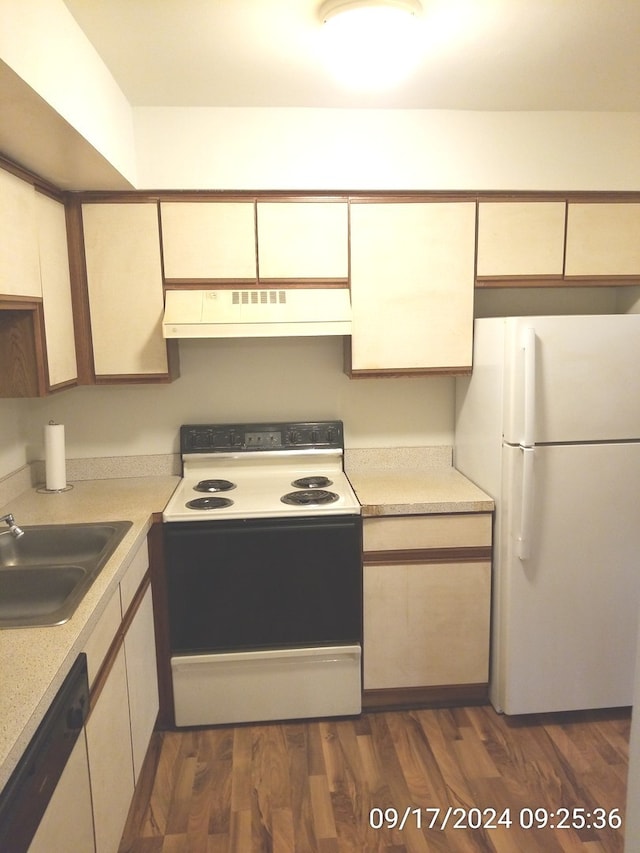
(412, 285)
(124, 280)
(67, 824)
(209, 240)
(426, 624)
(521, 239)
(142, 678)
(56, 291)
(303, 240)
(603, 240)
(19, 262)
(110, 761)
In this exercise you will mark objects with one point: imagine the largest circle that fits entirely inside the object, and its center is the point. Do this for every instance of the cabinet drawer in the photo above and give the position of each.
(408, 533)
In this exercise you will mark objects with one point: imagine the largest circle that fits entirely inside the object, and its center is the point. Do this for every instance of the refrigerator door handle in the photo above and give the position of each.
(526, 506)
(529, 348)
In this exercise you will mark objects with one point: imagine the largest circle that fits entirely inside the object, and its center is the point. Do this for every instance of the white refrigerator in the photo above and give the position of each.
(549, 425)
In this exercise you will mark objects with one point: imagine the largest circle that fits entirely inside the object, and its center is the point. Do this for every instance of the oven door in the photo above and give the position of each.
(254, 584)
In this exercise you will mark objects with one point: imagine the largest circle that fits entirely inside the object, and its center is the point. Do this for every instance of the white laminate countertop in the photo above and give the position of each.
(35, 661)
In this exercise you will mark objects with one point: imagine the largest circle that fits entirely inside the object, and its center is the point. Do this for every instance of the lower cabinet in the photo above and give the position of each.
(124, 700)
(142, 680)
(67, 824)
(110, 758)
(427, 600)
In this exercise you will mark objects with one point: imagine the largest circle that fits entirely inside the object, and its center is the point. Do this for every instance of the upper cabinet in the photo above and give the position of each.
(37, 341)
(209, 240)
(19, 262)
(56, 292)
(521, 239)
(124, 291)
(244, 241)
(303, 240)
(603, 240)
(412, 285)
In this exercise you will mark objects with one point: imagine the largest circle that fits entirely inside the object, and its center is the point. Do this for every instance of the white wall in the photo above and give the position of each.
(204, 148)
(42, 43)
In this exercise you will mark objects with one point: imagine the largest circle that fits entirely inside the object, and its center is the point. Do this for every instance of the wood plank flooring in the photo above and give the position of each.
(311, 786)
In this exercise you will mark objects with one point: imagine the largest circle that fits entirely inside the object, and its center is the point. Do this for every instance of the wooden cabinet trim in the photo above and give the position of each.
(412, 556)
(166, 718)
(254, 284)
(22, 347)
(80, 293)
(438, 696)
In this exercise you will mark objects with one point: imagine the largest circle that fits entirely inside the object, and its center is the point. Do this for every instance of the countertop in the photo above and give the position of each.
(34, 661)
(412, 481)
(383, 492)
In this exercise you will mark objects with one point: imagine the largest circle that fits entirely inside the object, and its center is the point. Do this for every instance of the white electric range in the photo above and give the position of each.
(263, 552)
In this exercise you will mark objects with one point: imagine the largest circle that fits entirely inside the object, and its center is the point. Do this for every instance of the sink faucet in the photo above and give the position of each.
(14, 530)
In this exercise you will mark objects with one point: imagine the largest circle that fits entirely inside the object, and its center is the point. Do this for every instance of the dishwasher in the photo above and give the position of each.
(57, 745)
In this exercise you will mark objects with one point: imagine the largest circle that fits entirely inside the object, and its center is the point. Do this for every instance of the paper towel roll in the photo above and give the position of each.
(55, 465)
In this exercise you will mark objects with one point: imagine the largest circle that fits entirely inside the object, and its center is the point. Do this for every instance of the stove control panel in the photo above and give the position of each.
(242, 438)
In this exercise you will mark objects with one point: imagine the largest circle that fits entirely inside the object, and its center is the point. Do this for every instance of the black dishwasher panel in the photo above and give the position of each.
(26, 795)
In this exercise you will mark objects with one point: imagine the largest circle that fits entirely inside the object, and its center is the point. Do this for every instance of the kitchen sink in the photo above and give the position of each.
(45, 574)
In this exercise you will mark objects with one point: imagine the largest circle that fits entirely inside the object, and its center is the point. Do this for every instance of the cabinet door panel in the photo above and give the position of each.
(19, 264)
(209, 240)
(56, 291)
(303, 240)
(124, 279)
(140, 650)
(426, 624)
(412, 281)
(67, 824)
(603, 240)
(110, 762)
(520, 239)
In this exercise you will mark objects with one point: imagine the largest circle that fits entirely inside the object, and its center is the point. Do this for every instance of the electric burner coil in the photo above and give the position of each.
(315, 482)
(309, 497)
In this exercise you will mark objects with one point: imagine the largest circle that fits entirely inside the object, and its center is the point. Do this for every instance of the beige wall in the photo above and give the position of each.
(42, 43)
(250, 380)
(282, 149)
(386, 149)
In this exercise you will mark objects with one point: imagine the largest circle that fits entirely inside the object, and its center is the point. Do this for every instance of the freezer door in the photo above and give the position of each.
(565, 615)
(587, 386)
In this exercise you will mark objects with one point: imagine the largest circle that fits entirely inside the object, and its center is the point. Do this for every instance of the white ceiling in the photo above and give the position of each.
(476, 54)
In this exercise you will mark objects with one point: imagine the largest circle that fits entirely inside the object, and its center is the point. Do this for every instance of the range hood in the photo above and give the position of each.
(256, 313)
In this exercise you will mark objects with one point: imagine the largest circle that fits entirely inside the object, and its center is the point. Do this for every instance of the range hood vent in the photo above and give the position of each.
(256, 313)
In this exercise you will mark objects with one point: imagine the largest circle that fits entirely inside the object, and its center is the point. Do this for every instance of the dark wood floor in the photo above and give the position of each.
(328, 785)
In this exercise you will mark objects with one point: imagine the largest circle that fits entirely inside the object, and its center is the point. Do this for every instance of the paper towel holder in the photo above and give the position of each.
(44, 489)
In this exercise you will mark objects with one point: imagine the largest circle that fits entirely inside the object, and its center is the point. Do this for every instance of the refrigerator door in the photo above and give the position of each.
(565, 616)
(586, 378)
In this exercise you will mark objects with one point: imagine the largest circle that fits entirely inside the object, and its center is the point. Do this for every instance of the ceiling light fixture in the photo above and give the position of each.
(331, 8)
(371, 44)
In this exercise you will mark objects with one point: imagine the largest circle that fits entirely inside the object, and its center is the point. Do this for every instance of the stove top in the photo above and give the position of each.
(236, 471)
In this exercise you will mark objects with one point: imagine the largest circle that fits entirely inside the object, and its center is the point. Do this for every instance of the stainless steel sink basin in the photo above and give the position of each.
(45, 574)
